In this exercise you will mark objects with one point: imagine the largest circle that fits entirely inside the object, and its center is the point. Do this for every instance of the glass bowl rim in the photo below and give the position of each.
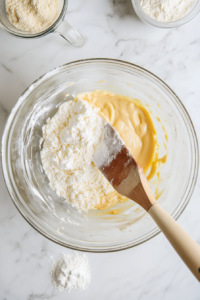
(165, 25)
(6, 174)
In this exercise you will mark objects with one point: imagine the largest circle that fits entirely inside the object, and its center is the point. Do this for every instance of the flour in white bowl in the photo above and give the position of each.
(70, 138)
(166, 10)
(71, 272)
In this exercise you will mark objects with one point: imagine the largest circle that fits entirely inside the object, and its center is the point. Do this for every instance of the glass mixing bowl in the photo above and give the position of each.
(147, 19)
(28, 185)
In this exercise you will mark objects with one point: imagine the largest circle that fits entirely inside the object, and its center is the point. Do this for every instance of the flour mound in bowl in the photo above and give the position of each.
(166, 10)
(69, 141)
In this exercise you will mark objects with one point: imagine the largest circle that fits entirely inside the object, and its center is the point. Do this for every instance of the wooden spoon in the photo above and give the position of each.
(126, 176)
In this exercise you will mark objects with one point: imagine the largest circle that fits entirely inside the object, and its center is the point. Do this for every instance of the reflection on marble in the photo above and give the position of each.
(111, 29)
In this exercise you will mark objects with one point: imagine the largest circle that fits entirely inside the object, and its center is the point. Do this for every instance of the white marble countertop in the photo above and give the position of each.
(111, 29)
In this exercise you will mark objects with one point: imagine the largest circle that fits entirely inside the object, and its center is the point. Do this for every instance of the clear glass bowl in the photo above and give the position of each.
(28, 185)
(147, 19)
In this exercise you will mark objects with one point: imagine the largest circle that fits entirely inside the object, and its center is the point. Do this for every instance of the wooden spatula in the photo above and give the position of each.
(126, 176)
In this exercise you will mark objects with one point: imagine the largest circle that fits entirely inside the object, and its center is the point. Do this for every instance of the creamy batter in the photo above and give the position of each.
(135, 127)
(131, 120)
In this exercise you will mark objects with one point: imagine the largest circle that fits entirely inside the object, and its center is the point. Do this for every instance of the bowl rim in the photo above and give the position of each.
(165, 25)
(97, 249)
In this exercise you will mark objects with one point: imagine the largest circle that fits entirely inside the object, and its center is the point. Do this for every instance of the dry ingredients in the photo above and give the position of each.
(71, 272)
(166, 10)
(33, 16)
(70, 138)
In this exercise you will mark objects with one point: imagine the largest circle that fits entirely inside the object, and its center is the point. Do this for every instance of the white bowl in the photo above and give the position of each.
(148, 20)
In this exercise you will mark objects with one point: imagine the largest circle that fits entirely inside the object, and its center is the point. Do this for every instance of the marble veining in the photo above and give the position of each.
(111, 29)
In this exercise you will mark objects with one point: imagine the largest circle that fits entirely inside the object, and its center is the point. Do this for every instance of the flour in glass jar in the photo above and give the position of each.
(33, 16)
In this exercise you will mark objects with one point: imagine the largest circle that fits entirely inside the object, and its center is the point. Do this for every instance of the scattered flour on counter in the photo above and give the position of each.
(71, 272)
(33, 16)
(70, 138)
(166, 10)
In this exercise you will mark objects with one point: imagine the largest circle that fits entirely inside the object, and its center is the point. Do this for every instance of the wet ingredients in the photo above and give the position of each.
(135, 126)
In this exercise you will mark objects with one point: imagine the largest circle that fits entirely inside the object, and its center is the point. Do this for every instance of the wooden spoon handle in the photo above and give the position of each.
(184, 245)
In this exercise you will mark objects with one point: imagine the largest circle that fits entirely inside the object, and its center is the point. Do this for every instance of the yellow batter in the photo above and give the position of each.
(134, 125)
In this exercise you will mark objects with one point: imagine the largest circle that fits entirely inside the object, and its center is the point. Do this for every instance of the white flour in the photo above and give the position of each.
(71, 272)
(108, 147)
(70, 138)
(166, 10)
(34, 16)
